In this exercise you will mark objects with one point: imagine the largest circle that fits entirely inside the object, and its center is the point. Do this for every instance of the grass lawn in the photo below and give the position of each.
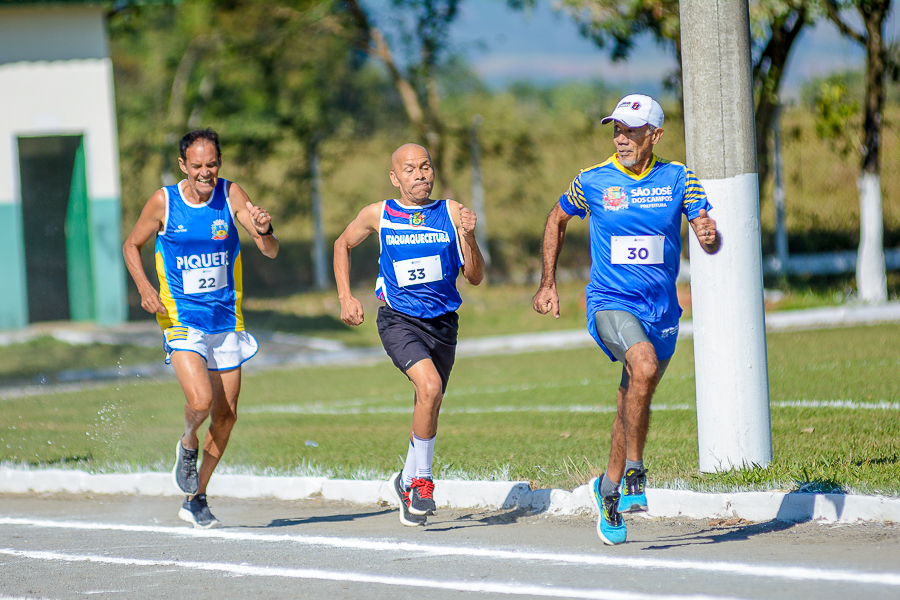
(540, 417)
(38, 360)
(486, 310)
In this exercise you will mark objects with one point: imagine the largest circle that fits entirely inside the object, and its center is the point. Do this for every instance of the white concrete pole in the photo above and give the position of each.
(781, 240)
(733, 421)
(320, 267)
(871, 280)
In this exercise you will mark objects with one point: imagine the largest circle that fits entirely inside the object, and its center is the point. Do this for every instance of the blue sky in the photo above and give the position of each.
(543, 46)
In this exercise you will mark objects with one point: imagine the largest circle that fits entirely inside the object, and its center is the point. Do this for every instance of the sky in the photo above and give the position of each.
(544, 46)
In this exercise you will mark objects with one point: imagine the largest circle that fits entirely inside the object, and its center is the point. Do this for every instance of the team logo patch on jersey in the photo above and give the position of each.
(615, 198)
(219, 230)
(417, 219)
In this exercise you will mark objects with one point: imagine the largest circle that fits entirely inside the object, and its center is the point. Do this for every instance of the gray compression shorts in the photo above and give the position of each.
(620, 330)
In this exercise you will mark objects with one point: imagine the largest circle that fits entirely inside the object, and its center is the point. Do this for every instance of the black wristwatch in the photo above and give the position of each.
(269, 232)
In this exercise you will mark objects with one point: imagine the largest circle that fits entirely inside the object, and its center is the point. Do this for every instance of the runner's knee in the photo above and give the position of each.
(199, 401)
(643, 368)
(429, 390)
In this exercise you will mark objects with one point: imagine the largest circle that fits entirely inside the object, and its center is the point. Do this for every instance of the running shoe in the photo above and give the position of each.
(633, 497)
(184, 474)
(196, 511)
(421, 498)
(610, 526)
(402, 496)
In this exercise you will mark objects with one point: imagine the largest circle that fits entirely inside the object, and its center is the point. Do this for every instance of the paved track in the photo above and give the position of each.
(67, 546)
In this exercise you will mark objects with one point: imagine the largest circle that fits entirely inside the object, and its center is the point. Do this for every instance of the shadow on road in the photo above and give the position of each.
(323, 519)
(470, 520)
(732, 534)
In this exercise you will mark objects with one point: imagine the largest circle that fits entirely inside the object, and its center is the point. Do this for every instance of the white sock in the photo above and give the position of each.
(424, 455)
(409, 467)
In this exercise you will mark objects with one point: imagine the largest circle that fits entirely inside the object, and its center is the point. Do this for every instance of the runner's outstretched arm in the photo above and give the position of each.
(704, 228)
(546, 299)
(149, 223)
(465, 220)
(366, 222)
(257, 221)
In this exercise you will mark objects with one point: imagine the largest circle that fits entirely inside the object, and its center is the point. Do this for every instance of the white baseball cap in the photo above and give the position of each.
(637, 110)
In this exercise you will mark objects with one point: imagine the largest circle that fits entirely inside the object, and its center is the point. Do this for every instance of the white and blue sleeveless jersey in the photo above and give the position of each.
(420, 259)
(635, 230)
(198, 262)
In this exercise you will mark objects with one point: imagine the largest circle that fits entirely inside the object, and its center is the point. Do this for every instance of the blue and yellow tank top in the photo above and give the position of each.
(420, 259)
(635, 225)
(198, 262)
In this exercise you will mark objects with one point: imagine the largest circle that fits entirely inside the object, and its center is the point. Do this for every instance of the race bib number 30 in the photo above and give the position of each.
(200, 281)
(637, 249)
(418, 270)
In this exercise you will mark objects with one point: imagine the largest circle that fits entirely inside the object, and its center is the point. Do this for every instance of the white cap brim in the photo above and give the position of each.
(632, 122)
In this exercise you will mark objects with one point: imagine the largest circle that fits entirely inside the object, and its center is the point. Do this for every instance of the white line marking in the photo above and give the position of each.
(488, 587)
(754, 570)
(346, 409)
(848, 404)
(299, 409)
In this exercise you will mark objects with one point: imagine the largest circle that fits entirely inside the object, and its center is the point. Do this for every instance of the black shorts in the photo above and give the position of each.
(407, 340)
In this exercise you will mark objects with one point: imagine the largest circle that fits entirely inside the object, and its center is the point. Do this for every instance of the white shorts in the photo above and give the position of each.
(222, 351)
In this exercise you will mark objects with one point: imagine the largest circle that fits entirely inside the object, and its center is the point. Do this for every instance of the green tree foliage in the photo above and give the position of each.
(775, 25)
(881, 60)
(835, 107)
(422, 38)
(272, 77)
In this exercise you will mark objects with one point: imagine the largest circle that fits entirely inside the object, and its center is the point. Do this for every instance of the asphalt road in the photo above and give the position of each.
(65, 546)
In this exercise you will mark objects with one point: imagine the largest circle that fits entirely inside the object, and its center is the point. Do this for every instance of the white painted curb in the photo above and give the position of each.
(751, 506)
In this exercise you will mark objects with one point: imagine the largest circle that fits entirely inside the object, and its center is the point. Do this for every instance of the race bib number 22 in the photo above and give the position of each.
(200, 281)
(637, 249)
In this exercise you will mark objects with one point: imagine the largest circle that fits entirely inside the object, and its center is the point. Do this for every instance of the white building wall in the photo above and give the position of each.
(56, 78)
(53, 32)
(72, 97)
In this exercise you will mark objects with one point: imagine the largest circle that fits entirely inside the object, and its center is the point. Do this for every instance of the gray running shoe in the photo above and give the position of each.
(196, 511)
(184, 474)
(421, 498)
(402, 496)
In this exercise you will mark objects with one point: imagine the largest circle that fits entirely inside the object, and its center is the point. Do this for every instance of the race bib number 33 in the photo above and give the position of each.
(637, 249)
(418, 270)
(200, 281)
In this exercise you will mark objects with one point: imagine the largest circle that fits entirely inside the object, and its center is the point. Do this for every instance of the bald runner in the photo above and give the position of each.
(425, 244)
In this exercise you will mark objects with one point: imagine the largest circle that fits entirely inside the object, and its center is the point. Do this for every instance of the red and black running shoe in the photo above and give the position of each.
(421, 498)
(406, 517)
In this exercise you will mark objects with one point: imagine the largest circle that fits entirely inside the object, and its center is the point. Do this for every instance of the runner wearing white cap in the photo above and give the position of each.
(636, 201)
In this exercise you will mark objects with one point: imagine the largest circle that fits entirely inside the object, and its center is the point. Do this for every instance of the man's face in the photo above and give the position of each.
(201, 165)
(634, 144)
(411, 171)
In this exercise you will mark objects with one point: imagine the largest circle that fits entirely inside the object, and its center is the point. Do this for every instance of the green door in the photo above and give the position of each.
(55, 225)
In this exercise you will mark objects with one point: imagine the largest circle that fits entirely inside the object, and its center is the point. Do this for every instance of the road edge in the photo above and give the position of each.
(497, 495)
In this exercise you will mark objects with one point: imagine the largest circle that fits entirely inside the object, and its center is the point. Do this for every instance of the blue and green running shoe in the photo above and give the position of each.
(610, 526)
(633, 497)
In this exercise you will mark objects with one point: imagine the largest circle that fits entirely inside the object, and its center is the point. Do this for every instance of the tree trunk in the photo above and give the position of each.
(871, 280)
(319, 251)
(426, 122)
(785, 30)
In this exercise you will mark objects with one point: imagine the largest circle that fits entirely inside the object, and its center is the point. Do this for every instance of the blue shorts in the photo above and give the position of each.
(619, 337)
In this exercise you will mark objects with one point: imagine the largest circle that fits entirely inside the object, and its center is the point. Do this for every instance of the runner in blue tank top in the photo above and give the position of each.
(635, 201)
(424, 244)
(198, 306)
